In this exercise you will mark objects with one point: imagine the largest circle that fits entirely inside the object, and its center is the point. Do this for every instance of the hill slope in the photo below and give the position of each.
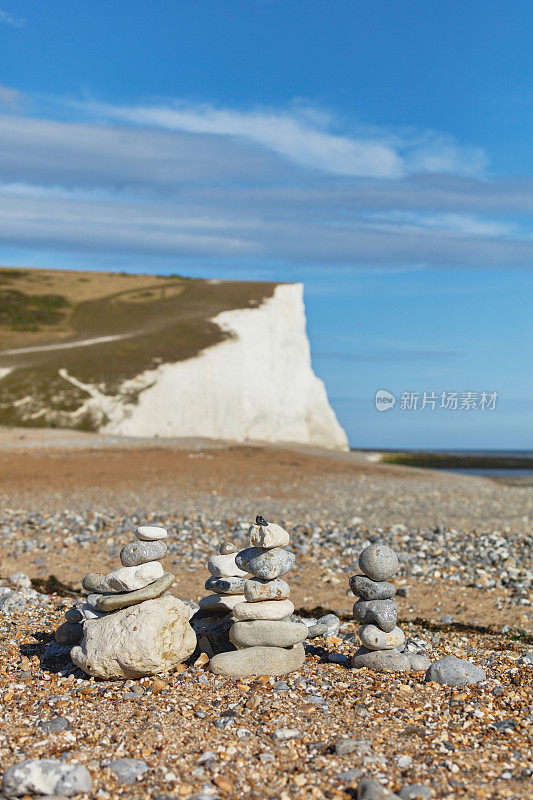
(148, 356)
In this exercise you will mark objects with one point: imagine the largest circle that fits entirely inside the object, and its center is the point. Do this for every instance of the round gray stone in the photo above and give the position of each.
(453, 671)
(229, 585)
(258, 661)
(267, 633)
(266, 564)
(73, 614)
(69, 633)
(381, 660)
(382, 613)
(526, 659)
(256, 590)
(140, 552)
(366, 589)
(378, 562)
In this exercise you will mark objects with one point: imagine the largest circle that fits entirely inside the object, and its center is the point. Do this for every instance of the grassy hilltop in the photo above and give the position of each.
(156, 319)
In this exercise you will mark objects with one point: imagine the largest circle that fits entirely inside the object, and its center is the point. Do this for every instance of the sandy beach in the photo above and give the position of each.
(71, 500)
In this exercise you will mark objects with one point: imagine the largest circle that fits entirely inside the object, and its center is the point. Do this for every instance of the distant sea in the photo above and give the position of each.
(500, 464)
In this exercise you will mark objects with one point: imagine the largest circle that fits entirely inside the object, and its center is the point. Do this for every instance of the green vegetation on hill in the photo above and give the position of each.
(160, 320)
(25, 312)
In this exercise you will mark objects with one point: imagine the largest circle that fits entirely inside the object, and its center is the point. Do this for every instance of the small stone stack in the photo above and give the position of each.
(226, 582)
(130, 625)
(377, 610)
(267, 642)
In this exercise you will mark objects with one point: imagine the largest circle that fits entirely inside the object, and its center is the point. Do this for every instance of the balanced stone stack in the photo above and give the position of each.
(129, 625)
(267, 642)
(213, 619)
(226, 582)
(381, 639)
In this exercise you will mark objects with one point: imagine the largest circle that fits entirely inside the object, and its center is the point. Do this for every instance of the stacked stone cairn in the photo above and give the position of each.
(267, 642)
(213, 619)
(226, 582)
(130, 625)
(383, 645)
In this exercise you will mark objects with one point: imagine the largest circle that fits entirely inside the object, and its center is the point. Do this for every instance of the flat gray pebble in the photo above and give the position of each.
(54, 725)
(359, 746)
(367, 589)
(349, 776)
(228, 585)
(381, 660)
(284, 734)
(138, 552)
(414, 791)
(127, 770)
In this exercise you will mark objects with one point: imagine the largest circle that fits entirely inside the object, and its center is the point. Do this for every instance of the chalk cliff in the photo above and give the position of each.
(256, 385)
(146, 355)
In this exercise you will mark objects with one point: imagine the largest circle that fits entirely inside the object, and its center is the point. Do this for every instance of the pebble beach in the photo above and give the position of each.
(70, 505)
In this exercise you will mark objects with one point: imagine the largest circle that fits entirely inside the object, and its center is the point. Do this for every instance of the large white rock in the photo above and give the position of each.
(46, 776)
(146, 639)
(258, 384)
(127, 579)
(270, 535)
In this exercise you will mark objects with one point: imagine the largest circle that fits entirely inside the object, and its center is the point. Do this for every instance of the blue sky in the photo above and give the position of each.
(380, 152)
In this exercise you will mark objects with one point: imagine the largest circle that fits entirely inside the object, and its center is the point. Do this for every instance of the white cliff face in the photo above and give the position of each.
(258, 385)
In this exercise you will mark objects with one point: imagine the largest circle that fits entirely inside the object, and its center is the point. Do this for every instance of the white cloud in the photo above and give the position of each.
(179, 228)
(10, 98)
(454, 224)
(297, 137)
(252, 187)
(9, 19)
(306, 136)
